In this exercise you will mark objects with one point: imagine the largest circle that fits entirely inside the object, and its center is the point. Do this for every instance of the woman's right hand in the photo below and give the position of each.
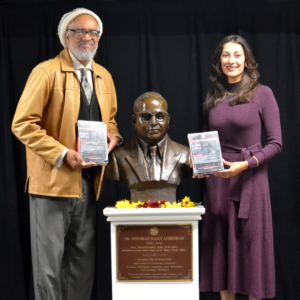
(199, 175)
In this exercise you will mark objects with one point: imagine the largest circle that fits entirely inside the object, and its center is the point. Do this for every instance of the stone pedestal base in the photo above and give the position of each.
(123, 287)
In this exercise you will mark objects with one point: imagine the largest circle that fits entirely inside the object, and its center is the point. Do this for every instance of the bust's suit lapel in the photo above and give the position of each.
(170, 160)
(137, 161)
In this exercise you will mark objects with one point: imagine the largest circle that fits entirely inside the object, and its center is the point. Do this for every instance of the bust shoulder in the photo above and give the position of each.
(181, 148)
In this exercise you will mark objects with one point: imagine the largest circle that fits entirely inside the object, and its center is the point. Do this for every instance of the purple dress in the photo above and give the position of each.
(237, 237)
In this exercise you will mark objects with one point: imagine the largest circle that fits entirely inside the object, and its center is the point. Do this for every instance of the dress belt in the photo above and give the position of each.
(247, 176)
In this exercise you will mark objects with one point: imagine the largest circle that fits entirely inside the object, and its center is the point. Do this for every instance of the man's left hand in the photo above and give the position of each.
(112, 141)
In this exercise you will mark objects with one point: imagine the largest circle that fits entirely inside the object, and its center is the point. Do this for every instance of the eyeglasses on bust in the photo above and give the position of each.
(80, 33)
(147, 117)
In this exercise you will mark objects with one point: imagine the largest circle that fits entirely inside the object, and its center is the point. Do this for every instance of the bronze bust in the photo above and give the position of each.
(151, 164)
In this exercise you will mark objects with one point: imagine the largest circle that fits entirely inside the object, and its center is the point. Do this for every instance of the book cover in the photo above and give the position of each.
(206, 152)
(92, 142)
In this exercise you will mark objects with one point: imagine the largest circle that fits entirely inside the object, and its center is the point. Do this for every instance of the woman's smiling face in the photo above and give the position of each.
(233, 62)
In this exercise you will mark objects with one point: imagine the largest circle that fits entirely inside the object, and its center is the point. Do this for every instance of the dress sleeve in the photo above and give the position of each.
(271, 122)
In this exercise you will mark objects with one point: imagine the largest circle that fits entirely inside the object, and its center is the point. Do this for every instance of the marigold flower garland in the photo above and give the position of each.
(185, 202)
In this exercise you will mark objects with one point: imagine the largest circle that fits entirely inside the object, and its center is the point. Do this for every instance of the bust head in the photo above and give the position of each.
(151, 118)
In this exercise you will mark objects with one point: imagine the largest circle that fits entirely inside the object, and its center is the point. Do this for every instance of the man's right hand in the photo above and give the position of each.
(75, 161)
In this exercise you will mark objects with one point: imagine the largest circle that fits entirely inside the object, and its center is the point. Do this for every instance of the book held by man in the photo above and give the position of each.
(92, 142)
(206, 152)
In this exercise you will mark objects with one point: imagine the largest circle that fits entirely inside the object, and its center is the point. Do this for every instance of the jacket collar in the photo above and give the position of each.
(137, 160)
(67, 65)
(170, 159)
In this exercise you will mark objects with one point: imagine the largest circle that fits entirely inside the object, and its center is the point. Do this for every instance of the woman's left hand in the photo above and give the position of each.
(234, 168)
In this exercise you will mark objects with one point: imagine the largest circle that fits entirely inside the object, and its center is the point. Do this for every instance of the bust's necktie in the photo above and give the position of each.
(155, 165)
(86, 86)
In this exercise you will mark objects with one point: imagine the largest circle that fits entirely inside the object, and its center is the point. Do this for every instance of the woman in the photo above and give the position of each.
(237, 254)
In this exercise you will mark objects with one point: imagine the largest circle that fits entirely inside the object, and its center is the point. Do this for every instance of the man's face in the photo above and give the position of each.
(83, 48)
(151, 122)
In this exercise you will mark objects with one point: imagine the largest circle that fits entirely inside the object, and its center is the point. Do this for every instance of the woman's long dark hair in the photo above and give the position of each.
(219, 86)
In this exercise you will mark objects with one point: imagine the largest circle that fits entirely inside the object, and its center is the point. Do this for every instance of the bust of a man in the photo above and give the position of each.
(151, 164)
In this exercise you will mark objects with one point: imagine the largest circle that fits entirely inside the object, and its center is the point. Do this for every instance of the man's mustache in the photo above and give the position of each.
(153, 127)
(86, 43)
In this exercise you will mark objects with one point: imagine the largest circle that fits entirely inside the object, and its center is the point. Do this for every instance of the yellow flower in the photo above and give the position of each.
(123, 204)
(135, 204)
(186, 202)
(189, 204)
(186, 199)
(173, 205)
(176, 205)
(168, 205)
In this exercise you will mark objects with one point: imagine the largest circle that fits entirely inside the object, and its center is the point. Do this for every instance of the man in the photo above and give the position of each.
(150, 164)
(62, 195)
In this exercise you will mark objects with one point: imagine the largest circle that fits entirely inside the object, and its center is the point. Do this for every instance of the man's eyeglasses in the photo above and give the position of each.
(147, 117)
(80, 33)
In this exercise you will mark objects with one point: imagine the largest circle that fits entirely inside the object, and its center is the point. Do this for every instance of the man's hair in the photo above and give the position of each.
(148, 95)
(71, 24)
(68, 18)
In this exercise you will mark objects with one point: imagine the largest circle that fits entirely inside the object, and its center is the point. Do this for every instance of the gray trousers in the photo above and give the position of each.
(63, 245)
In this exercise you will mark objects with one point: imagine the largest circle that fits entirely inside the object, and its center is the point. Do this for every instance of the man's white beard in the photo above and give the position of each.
(83, 55)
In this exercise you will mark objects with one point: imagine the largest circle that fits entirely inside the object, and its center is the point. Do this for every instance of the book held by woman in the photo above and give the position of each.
(206, 152)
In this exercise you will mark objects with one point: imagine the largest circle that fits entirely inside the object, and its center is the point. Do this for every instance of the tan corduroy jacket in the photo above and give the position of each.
(46, 119)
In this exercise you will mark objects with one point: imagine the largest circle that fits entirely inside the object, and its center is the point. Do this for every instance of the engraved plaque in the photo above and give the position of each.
(154, 253)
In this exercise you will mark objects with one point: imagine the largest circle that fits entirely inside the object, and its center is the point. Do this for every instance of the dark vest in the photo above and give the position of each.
(89, 113)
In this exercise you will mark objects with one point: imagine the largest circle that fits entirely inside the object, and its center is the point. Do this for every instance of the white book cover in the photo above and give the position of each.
(206, 152)
(92, 142)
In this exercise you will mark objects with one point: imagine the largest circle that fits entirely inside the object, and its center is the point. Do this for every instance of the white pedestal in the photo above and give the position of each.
(160, 290)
